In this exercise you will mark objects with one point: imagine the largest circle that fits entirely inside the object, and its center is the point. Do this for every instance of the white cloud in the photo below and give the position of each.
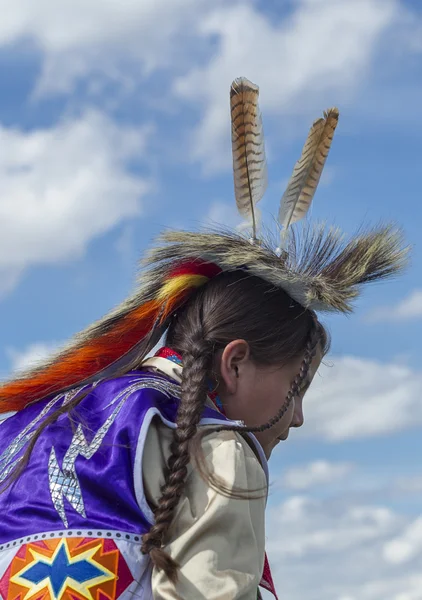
(310, 526)
(222, 214)
(408, 484)
(358, 398)
(37, 352)
(21, 360)
(328, 176)
(327, 549)
(409, 308)
(9, 278)
(125, 244)
(405, 547)
(317, 56)
(103, 39)
(303, 477)
(225, 215)
(62, 187)
(30, 356)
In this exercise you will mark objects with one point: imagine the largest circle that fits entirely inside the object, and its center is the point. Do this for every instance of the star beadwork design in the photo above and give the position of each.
(66, 569)
(60, 571)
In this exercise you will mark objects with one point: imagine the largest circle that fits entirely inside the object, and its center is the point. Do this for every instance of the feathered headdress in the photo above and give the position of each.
(317, 267)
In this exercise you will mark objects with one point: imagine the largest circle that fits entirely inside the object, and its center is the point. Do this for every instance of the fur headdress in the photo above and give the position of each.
(316, 265)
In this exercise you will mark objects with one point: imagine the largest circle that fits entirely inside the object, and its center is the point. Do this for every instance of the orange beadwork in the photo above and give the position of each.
(67, 569)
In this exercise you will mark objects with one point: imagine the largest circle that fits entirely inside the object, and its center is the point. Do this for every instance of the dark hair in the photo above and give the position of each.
(231, 306)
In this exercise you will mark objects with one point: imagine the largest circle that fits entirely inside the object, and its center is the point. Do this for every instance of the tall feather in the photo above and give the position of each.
(306, 174)
(249, 163)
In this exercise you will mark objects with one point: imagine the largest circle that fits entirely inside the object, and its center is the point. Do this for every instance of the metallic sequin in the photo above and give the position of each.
(9, 459)
(64, 482)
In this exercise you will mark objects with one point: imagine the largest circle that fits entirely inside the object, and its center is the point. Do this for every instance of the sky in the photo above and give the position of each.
(114, 123)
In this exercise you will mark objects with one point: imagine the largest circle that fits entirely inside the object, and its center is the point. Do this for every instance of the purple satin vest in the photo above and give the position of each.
(82, 491)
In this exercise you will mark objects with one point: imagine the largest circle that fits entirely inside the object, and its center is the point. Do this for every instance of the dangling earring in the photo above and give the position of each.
(214, 390)
(212, 394)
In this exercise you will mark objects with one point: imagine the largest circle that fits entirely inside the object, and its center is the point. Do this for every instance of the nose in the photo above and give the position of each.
(298, 418)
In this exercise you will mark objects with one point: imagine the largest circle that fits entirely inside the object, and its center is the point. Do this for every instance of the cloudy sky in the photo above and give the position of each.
(114, 122)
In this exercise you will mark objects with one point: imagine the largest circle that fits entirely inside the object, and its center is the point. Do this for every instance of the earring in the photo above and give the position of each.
(213, 391)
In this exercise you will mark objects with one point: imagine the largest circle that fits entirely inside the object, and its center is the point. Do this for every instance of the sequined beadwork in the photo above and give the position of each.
(63, 481)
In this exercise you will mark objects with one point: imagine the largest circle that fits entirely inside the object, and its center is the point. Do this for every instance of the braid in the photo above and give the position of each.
(196, 366)
(193, 342)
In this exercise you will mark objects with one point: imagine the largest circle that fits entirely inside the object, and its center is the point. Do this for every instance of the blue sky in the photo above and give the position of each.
(114, 123)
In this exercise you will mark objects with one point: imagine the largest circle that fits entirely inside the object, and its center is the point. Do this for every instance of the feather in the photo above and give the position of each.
(306, 174)
(103, 345)
(322, 271)
(249, 163)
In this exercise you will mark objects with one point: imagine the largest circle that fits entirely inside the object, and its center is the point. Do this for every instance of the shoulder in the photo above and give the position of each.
(138, 380)
(214, 533)
(137, 391)
(226, 454)
(228, 445)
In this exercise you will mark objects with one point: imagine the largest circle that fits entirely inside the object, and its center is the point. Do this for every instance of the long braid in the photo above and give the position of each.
(192, 337)
(196, 366)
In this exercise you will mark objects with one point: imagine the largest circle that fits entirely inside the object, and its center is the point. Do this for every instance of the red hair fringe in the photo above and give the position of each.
(91, 357)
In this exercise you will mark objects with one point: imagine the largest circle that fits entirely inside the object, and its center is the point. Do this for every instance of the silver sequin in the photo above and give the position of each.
(9, 459)
(64, 482)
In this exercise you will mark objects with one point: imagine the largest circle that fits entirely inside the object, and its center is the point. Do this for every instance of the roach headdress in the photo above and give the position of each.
(316, 265)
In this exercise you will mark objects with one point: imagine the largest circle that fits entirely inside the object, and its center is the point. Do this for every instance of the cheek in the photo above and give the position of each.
(286, 420)
(277, 394)
(272, 399)
(247, 403)
(270, 438)
(259, 399)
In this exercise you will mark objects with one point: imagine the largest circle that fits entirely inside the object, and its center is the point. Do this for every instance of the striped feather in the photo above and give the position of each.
(306, 174)
(249, 162)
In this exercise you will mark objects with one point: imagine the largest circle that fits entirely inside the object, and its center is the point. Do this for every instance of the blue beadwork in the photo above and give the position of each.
(60, 570)
(175, 359)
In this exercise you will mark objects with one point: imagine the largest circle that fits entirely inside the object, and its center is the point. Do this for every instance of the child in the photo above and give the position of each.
(130, 476)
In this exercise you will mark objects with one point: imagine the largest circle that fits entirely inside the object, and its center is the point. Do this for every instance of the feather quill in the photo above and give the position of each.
(307, 171)
(249, 162)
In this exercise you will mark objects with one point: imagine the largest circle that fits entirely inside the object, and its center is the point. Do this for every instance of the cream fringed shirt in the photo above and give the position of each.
(217, 541)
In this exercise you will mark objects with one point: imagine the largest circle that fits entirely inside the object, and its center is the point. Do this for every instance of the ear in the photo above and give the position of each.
(233, 359)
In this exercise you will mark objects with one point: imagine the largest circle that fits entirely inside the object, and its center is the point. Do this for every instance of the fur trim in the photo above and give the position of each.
(320, 269)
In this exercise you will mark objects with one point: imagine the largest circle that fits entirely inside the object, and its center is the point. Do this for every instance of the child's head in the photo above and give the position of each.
(259, 349)
(255, 393)
(254, 343)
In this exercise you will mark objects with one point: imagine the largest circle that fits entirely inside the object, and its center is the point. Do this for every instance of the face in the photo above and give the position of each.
(255, 394)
